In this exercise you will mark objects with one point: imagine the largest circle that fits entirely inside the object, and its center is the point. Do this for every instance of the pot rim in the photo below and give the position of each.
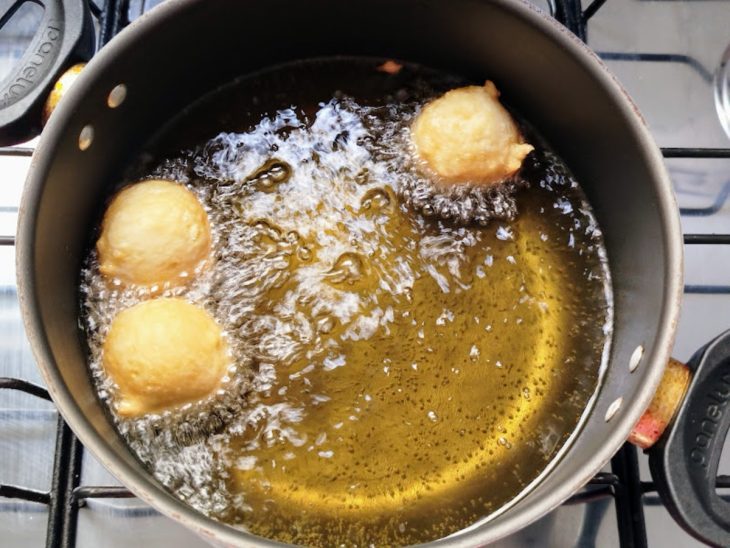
(485, 531)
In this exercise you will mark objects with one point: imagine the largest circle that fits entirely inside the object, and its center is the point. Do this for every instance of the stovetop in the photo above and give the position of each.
(666, 53)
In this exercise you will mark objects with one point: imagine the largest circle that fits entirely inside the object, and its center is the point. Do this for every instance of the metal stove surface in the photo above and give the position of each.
(664, 52)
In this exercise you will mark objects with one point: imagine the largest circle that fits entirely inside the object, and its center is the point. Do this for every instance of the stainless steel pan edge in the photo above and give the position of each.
(481, 533)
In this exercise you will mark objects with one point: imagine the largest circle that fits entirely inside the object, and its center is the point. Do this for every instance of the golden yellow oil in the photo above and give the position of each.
(411, 376)
(453, 405)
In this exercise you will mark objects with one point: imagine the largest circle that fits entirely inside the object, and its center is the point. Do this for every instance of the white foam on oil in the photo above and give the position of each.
(266, 216)
(294, 205)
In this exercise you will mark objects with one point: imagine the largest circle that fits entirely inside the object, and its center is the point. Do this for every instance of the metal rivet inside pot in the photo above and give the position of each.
(117, 96)
(635, 358)
(613, 408)
(86, 137)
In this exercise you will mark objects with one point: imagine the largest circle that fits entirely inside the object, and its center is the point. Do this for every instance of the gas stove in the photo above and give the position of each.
(671, 56)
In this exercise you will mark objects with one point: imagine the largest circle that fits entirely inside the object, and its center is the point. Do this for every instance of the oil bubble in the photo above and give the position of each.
(269, 175)
(304, 253)
(378, 200)
(349, 268)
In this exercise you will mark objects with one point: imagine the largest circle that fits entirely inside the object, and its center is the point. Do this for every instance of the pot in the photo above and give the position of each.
(185, 48)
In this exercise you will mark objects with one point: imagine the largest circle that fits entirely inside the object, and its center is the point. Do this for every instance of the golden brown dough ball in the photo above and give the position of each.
(164, 353)
(467, 136)
(154, 232)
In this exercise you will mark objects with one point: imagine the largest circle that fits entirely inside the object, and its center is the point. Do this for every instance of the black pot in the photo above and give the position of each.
(186, 48)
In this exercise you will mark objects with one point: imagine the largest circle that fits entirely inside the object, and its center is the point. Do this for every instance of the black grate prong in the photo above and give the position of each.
(63, 510)
(629, 507)
(30, 495)
(24, 386)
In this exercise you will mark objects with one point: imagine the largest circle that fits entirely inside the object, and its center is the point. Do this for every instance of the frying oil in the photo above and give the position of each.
(411, 375)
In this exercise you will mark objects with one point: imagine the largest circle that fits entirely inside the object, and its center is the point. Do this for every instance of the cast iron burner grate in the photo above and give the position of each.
(630, 495)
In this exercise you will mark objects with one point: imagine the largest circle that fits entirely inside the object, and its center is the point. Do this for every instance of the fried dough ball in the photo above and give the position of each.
(467, 136)
(154, 232)
(164, 353)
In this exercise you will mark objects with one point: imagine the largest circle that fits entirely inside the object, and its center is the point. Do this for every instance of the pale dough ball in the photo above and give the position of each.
(163, 353)
(152, 233)
(467, 136)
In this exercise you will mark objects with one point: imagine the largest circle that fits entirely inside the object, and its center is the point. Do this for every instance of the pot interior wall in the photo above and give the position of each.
(207, 43)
